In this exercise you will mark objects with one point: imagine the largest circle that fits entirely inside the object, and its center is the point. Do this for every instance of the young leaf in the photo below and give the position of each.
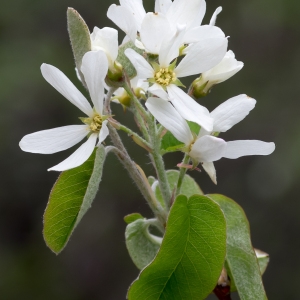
(124, 61)
(241, 261)
(189, 186)
(263, 260)
(141, 244)
(79, 36)
(70, 198)
(132, 217)
(170, 144)
(191, 257)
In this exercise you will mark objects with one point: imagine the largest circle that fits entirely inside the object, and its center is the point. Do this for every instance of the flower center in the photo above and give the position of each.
(165, 76)
(96, 123)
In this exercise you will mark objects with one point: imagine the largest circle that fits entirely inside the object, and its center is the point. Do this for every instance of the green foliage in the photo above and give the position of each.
(124, 61)
(79, 36)
(141, 244)
(189, 185)
(241, 261)
(170, 144)
(191, 257)
(132, 217)
(194, 127)
(70, 198)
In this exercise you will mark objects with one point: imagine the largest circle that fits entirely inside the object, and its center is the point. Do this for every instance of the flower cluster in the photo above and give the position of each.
(172, 44)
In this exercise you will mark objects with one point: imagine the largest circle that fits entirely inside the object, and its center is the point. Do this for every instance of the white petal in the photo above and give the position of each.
(181, 12)
(168, 117)
(124, 19)
(63, 85)
(137, 10)
(189, 109)
(94, 68)
(78, 157)
(142, 67)
(103, 133)
(214, 16)
(202, 56)
(208, 148)
(162, 5)
(210, 170)
(106, 39)
(154, 31)
(231, 112)
(53, 140)
(200, 33)
(158, 91)
(170, 47)
(236, 149)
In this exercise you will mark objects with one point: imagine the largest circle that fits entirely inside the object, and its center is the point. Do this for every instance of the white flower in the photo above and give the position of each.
(221, 72)
(206, 148)
(165, 75)
(106, 39)
(94, 67)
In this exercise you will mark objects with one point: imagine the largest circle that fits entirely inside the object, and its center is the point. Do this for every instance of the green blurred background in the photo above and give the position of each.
(95, 264)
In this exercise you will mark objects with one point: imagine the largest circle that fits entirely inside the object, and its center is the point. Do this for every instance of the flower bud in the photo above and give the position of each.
(221, 72)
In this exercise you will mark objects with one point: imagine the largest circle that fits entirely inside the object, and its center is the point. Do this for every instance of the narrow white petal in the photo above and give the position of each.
(214, 16)
(142, 67)
(200, 33)
(64, 86)
(79, 156)
(124, 19)
(231, 112)
(154, 31)
(208, 148)
(236, 149)
(189, 109)
(202, 56)
(106, 39)
(170, 47)
(103, 133)
(158, 91)
(53, 140)
(210, 170)
(181, 12)
(167, 116)
(137, 10)
(94, 68)
(162, 6)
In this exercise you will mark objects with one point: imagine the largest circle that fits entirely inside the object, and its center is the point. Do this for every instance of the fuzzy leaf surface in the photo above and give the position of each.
(189, 185)
(241, 261)
(79, 36)
(191, 257)
(70, 198)
(142, 246)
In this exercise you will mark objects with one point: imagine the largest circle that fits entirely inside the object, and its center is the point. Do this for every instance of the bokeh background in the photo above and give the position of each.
(95, 264)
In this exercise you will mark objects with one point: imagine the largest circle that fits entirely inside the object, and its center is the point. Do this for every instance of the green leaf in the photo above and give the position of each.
(132, 217)
(170, 144)
(241, 261)
(189, 185)
(124, 61)
(79, 36)
(191, 257)
(70, 198)
(141, 244)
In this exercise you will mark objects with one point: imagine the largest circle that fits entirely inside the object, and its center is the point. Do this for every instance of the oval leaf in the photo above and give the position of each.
(241, 261)
(141, 244)
(70, 198)
(191, 257)
(79, 36)
(189, 186)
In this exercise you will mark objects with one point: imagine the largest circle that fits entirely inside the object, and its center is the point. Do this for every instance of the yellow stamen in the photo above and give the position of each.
(165, 76)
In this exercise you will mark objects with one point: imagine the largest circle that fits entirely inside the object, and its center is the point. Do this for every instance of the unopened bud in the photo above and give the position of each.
(114, 77)
(198, 88)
